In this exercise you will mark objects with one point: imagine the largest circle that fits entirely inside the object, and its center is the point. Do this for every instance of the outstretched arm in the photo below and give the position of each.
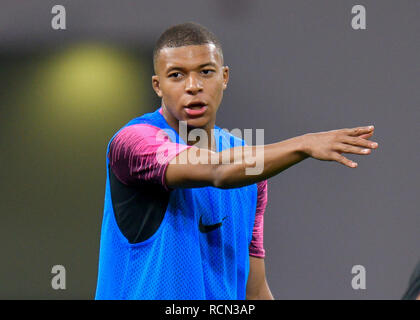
(188, 170)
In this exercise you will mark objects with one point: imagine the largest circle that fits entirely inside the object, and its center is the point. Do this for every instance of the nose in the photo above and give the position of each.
(193, 84)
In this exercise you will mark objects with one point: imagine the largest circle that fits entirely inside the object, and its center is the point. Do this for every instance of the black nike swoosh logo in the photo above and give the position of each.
(204, 228)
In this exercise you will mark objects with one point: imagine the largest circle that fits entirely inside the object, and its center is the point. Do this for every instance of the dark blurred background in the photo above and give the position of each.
(296, 67)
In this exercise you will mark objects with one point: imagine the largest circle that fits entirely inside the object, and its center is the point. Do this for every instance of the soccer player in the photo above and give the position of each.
(178, 228)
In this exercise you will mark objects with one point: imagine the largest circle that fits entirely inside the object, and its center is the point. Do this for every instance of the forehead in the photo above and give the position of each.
(188, 56)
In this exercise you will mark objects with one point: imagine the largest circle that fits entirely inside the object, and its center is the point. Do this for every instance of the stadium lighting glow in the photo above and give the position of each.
(89, 79)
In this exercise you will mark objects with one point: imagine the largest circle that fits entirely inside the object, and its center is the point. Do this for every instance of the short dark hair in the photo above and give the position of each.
(185, 34)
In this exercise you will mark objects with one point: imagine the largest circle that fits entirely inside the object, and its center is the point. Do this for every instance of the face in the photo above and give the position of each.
(190, 80)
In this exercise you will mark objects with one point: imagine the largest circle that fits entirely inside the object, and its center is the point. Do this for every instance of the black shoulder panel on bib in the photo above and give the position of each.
(139, 210)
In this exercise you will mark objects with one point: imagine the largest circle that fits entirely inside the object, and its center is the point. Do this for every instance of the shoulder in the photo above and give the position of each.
(133, 134)
(139, 129)
(142, 125)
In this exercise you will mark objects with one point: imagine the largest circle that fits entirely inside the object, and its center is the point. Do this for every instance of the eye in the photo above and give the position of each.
(207, 71)
(175, 75)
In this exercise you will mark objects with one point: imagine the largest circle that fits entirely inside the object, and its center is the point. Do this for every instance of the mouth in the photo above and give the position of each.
(196, 108)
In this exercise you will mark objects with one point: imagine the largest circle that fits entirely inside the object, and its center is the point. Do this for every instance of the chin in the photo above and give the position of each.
(198, 122)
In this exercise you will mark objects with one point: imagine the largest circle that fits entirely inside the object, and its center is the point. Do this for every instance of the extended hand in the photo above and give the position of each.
(330, 145)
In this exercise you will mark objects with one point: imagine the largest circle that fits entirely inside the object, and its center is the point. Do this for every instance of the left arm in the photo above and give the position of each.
(257, 286)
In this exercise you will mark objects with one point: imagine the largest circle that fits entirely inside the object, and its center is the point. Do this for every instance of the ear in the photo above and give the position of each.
(225, 76)
(156, 85)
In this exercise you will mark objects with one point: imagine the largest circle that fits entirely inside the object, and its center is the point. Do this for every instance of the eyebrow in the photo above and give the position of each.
(172, 68)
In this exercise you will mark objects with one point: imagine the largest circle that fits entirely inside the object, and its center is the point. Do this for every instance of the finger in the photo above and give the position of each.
(343, 160)
(358, 141)
(366, 135)
(359, 131)
(347, 148)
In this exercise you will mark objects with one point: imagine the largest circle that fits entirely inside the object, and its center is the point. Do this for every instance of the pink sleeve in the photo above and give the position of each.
(256, 248)
(141, 153)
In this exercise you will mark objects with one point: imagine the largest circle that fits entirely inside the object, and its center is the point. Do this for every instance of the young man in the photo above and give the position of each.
(178, 228)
